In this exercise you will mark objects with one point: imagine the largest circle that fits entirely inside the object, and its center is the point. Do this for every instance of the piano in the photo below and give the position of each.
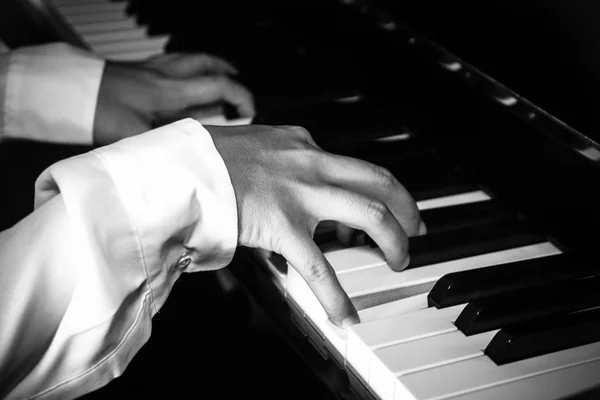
(502, 296)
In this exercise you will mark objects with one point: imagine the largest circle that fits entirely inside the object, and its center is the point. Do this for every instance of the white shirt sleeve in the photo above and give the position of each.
(112, 230)
(48, 93)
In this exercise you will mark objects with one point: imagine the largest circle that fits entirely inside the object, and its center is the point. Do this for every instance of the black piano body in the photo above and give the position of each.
(320, 64)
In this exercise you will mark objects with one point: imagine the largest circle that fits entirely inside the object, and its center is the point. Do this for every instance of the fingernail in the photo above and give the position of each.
(406, 262)
(352, 320)
(422, 228)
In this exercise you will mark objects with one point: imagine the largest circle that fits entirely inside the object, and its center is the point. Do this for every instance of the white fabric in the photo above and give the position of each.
(82, 275)
(48, 93)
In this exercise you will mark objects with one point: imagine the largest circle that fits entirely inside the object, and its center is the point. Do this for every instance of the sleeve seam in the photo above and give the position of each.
(138, 238)
(99, 363)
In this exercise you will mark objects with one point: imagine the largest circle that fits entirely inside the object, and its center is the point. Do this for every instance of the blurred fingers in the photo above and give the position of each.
(181, 66)
(215, 89)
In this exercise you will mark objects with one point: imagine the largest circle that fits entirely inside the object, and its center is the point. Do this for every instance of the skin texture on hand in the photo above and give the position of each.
(285, 185)
(136, 97)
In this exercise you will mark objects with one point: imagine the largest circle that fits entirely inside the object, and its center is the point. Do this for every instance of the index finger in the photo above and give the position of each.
(304, 255)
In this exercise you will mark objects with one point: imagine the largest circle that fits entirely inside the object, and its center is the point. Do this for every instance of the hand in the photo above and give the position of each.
(285, 185)
(136, 97)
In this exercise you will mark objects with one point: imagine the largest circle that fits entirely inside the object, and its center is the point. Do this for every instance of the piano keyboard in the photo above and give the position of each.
(109, 31)
(438, 329)
(463, 321)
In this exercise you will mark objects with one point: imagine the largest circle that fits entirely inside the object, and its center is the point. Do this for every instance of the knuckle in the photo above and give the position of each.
(222, 80)
(385, 178)
(336, 303)
(300, 132)
(411, 218)
(414, 217)
(317, 272)
(315, 157)
(220, 83)
(377, 211)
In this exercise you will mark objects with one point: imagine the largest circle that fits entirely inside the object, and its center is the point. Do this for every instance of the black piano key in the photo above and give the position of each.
(340, 122)
(519, 342)
(432, 190)
(431, 182)
(465, 286)
(420, 169)
(412, 154)
(446, 219)
(325, 233)
(527, 305)
(415, 150)
(468, 242)
(347, 129)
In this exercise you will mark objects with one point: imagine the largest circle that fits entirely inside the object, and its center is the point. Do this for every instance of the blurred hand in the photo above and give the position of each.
(136, 97)
(285, 185)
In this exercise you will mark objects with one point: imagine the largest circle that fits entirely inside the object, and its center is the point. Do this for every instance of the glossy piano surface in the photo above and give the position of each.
(354, 74)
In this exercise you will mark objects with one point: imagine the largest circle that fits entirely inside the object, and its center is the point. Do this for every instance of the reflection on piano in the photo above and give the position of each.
(502, 296)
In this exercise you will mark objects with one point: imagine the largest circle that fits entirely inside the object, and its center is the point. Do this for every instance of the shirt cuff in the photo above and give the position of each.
(175, 189)
(48, 93)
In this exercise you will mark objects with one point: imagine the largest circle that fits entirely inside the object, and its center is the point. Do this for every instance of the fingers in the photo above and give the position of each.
(371, 215)
(214, 89)
(306, 258)
(374, 182)
(183, 66)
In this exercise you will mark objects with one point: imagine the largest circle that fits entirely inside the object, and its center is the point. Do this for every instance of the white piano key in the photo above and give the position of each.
(481, 372)
(299, 292)
(91, 8)
(106, 26)
(342, 261)
(453, 200)
(134, 55)
(560, 384)
(382, 278)
(139, 45)
(365, 338)
(335, 339)
(90, 18)
(355, 259)
(402, 306)
(95, 38)
(389, 362)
